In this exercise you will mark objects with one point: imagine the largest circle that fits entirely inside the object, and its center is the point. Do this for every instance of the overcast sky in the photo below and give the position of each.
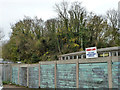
(12, 11)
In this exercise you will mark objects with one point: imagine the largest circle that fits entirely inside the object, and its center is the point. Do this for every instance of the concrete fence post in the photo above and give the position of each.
(11, 74)
(77, 74)
(55, 75)
(39, 74)
(18, 74)
(110, 72)
(27, 76)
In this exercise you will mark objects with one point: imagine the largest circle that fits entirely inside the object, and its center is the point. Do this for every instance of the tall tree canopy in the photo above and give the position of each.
(74, 29)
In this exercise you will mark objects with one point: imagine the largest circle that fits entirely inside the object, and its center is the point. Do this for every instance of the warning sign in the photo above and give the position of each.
(91, 52)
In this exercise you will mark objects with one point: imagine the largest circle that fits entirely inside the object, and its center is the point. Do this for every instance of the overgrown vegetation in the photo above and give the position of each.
(6, 82)
(34, 40)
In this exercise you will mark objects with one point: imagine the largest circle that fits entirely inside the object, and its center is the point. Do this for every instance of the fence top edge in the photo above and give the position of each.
(99, 50)
(72, 61)
(101, 59)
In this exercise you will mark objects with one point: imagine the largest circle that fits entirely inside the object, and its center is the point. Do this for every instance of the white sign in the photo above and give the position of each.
(91, 52)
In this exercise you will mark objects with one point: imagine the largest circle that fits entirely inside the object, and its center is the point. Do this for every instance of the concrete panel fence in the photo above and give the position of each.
(100, 72)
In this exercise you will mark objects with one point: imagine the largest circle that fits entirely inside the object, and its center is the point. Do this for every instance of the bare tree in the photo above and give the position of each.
(1, 34)
(112, 16)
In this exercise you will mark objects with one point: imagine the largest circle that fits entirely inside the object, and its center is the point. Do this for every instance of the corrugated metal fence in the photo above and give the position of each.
(82, 73)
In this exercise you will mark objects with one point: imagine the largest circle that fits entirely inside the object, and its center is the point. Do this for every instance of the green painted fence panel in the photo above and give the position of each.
(116, 74)
(47, 74)
(15, 75)
(93, 75)
(23, 76)
(33, 77)
(66, 76)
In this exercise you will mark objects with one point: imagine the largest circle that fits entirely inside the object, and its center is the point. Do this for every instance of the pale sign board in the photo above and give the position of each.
(91, 52)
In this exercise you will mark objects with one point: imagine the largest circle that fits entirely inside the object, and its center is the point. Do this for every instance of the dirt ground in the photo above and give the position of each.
(12, 86)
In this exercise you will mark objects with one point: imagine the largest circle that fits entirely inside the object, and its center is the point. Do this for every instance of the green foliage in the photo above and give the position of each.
(34, 40)
(6, 82)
